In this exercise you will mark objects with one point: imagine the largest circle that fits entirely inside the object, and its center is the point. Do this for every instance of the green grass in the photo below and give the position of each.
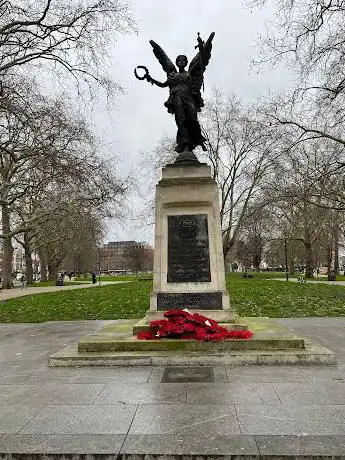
(105, 302)
(281, 299)
(258, 296)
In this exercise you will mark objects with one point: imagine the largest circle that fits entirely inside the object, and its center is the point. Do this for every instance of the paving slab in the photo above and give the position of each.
(14, 417)
(79, 419)
(237, 377)
(290, 419)
(51, 393)
(189, 444)
(200, 420)
(143, 394)
(331, 373)
(311, 393)
(306, 446)
(66, 443)
(231, 393)
(109, 375)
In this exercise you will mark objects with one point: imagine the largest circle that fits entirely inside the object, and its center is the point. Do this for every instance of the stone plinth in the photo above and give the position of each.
(188, 260)
(114, 345)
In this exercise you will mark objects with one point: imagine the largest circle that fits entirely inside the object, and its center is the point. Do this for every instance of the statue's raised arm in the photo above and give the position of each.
(185, 99)
(197, 67)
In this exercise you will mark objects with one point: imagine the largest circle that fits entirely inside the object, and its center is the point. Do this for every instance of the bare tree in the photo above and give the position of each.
(68, 241)
(240, 150)
(255, 232)
(68, 37)
(302, 200)
(138, 258)
(308, 35)
(46, 156)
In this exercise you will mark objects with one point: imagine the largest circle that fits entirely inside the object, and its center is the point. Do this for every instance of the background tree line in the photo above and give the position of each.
(279, 162)
(57, 185)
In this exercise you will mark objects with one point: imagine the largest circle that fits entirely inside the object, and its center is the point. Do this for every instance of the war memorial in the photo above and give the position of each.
(188, 262)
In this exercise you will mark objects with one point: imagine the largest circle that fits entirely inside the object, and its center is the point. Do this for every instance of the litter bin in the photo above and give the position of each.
(332, 276)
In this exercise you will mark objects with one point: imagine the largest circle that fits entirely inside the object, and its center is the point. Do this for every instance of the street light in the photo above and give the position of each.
(286, 260)
(99, 266)
(286, 238)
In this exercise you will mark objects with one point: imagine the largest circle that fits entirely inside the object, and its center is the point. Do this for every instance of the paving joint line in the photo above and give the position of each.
(126, 435)
(238, 420)
(148, 378)
(277, 394)
(98, 394)
(24, 426)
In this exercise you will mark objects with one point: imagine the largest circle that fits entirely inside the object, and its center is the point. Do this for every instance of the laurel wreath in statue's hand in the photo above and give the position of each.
(146, 75)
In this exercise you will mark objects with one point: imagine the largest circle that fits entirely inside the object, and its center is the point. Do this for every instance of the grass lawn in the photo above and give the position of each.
(280, 299)
(105, 302)
(258, 296)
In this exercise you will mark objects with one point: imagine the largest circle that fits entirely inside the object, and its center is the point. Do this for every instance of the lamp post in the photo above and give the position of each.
(286, 238)
(99, 266)
(286, 260)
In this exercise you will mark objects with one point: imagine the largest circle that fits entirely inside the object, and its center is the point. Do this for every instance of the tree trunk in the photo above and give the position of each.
(336, 250)
(43, 265)
(53, 268)
(52, 271)
(257, 261)
(329, 259)
(308, 260)
(228, 243)
(8, 249)
(28, 258)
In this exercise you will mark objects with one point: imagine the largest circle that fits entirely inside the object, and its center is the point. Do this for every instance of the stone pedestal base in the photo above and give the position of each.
(115, 345)
(221, 316)
(188, 260)
(215, 305)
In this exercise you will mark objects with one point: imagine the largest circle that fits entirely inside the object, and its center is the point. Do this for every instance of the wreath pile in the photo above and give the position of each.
(182, 324)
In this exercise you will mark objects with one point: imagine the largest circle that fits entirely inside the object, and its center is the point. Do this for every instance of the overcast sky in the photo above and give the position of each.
(139, 119)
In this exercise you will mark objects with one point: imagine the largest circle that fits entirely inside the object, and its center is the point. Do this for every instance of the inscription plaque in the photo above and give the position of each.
(191, 300)
(188, 249)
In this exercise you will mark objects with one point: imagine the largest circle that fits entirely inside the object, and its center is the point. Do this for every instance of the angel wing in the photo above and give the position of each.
(197, 68)
(162, 57)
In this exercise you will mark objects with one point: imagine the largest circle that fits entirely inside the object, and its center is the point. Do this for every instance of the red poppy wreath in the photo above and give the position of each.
(181, 324)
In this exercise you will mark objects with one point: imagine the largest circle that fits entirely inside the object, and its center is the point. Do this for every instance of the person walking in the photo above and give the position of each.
(93, 276)
(23, 281)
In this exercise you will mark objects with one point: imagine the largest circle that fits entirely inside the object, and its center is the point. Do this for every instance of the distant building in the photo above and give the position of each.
(117, 256)
(342, 261)
(18, 261)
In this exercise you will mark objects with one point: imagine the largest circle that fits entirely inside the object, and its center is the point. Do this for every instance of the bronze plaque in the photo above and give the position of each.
(188, 249)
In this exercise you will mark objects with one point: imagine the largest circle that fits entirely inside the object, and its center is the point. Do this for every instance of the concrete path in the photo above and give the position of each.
(20, 292)
(247, 411)
(315, 281)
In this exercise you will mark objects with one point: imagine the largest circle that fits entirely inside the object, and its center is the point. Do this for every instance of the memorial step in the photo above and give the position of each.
(99, 343)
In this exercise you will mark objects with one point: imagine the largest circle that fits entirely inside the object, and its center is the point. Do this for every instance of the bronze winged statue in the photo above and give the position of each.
(185, 100)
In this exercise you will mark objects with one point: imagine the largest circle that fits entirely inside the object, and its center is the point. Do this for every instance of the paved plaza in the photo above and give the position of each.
(247, 410)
